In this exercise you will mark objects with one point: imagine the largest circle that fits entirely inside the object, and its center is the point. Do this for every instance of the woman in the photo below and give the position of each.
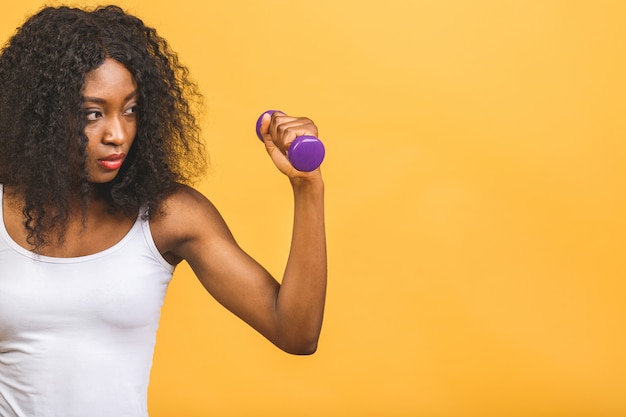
(99, 143)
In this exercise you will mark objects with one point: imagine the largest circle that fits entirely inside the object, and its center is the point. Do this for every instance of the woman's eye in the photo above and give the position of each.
(131, 110)
(92, 115)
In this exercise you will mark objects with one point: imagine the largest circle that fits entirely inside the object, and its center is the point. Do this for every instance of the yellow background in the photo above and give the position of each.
(475, 205)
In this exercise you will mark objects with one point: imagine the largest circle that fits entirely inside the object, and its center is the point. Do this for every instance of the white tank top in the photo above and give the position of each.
(77, 334)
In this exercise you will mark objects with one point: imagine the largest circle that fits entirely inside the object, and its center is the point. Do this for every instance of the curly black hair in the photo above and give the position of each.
(42, 121)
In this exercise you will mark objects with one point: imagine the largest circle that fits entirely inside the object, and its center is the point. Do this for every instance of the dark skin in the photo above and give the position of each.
(288, 314)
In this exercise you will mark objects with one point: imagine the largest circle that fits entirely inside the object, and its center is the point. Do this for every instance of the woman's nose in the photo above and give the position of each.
(116, 133)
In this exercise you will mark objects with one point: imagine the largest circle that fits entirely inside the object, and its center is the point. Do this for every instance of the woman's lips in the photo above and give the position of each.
(112, 162)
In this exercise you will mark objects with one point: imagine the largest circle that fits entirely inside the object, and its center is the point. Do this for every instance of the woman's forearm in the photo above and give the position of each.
(301, 298)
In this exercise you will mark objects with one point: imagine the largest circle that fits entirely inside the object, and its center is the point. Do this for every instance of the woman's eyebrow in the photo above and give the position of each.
(101, 100)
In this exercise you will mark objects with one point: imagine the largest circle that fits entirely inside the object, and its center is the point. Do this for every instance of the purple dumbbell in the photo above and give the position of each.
(305, 153)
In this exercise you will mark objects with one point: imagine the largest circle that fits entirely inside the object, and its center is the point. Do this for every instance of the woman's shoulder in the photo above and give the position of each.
(183, 204)
(185, 214)
(180, 196)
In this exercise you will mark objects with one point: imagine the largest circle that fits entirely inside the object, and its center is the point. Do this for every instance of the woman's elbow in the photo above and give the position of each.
(300, 347)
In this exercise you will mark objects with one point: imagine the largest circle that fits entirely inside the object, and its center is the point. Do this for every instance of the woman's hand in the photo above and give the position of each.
(278, 132)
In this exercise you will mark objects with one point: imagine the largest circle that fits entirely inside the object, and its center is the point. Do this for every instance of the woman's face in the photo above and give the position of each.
(110, 104)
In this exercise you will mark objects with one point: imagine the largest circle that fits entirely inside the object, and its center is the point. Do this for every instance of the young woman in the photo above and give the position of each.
(98, 145)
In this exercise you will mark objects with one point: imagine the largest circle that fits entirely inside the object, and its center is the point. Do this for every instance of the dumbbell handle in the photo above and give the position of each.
(305, 153)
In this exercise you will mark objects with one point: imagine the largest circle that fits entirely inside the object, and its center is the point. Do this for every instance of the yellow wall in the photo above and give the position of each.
(476, 205)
